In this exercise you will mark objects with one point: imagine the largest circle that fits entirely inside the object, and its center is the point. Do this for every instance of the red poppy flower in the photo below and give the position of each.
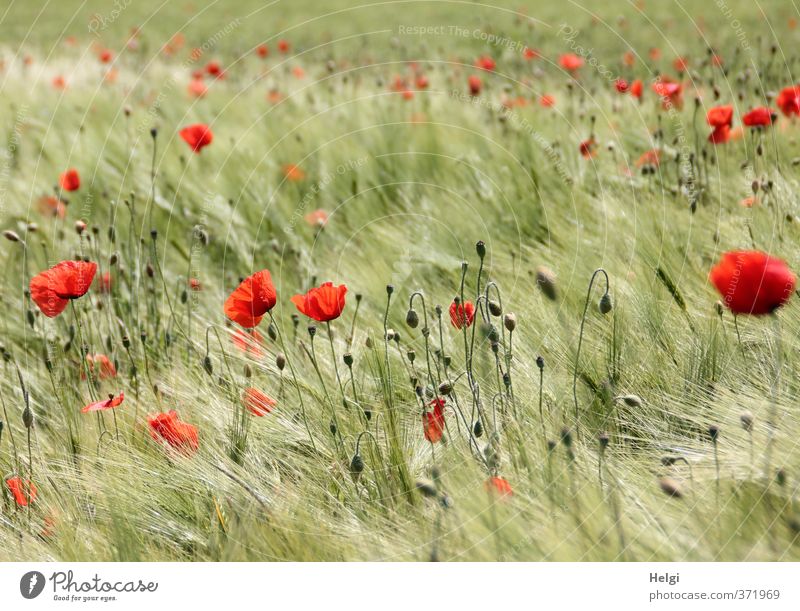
(256, 402)
(529, 53)
(628, 58)
(168, 428)
(719, 116)
(101, 406)
(681, 64)
(788, 100)
(70, 180)
(52, 289)
(588, 148)
(654, 53)
(248, 341)
(197, 136)
(651, 157)
(547, 101)
(195, 285)
(262, 51)
(104, 365)
(499, 485)
(752, 282)
(283, 46)
(293, 172)
(104, 282)
(570, 62)
(636, 88)
(105, 56)
(461, 314)
(317, 218)
(23, 491)
(253, 298)
(759, 117)
(433, 421)
(323, 303)
(720, 135)
(670, 92)
(475, 84)
(59, 82)
(214, 68)
(422, 81)
(485, 63)
(197, 88)
(50, 205)
(621, 85)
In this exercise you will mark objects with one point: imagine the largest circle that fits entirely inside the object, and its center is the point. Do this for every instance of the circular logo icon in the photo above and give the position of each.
(31, 584)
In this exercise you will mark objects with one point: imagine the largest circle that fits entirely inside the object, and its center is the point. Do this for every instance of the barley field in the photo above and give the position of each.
(560, 237)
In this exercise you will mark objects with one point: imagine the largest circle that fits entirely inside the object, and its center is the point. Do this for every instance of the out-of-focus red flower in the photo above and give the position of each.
(256, 402)
(104, 367)
(317, 218)
(461, 315)
(636, 88)
(681, 64)
(197, 136)
(23, 491)
(214, 68)
(530, 54)
(283, 46)
(262, 51)
(499, 485)
(719, 116)
(170, 429)
(720, 135)
(670, 92)
(475, 84)
(588, 148)
(104, 282)
(788, 100)
(421, 81)
(52, 289)
(759, 117)
(654, 53)
(59, 82)
(433, 421)
(621, 85)
(322, 303)
(248, 341)
(628, 58)
(752, 282)
(195, 284)
(105, 56)
(293, 172)
(50, 205)
(253, 298)
(197, 88)
(570, 62)
(70, 180)
(651, 157)
(298, 72)
(485, 62)
(101, 406)
(547, 101)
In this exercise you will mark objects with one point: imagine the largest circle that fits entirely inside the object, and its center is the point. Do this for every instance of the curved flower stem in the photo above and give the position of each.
(294, 379)
(599, 270)
(425, 331)
(335, 364)
(773, 408)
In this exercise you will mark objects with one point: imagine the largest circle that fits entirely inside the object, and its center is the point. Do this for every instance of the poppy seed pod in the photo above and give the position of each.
(546, 281)
(27, 417)
(411, 356)
(412, 319)
(605, 304)
(670, 487)
(480, 248)
(348, 359)
(713, 433)
(510, 322)
(540, 362)
(357, 464)
(312, 331)
(746, 418)
(389, 289)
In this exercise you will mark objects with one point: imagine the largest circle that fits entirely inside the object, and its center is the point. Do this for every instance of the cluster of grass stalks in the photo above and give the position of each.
(630, 416)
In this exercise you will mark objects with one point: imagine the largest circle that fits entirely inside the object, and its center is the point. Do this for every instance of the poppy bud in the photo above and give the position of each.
(80, 227)
(332, 427)
(713, 432)
(126, 342)
(746, 419)
(605, 304)
(551, 445)
(248, 372)
(184, 296)
(631, 400)
(153, 132)
(540, 362)
(480, 248)
(143, 337)
(493, 335)
(280, 361)
(495, 309)
(389, 289)
(11, 236)
(312, 331)
(27, 417)
(395, 336)
(546, 281)
(566, 437)
(112, 260)
(438, 310)
(780, 477)
(445, 388)
(272, 332)
(478, 428)
(720, 308)
(412, 320)
(510, 322)
(670, 487)
(411, 356)
(207, 365)
(150, 271)
(357, 464)
(427, 488)
(348, 359)
(31, 319)
(603, 439)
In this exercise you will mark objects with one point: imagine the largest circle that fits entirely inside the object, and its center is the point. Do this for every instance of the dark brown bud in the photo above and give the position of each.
(280, 361)
(510, 322)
